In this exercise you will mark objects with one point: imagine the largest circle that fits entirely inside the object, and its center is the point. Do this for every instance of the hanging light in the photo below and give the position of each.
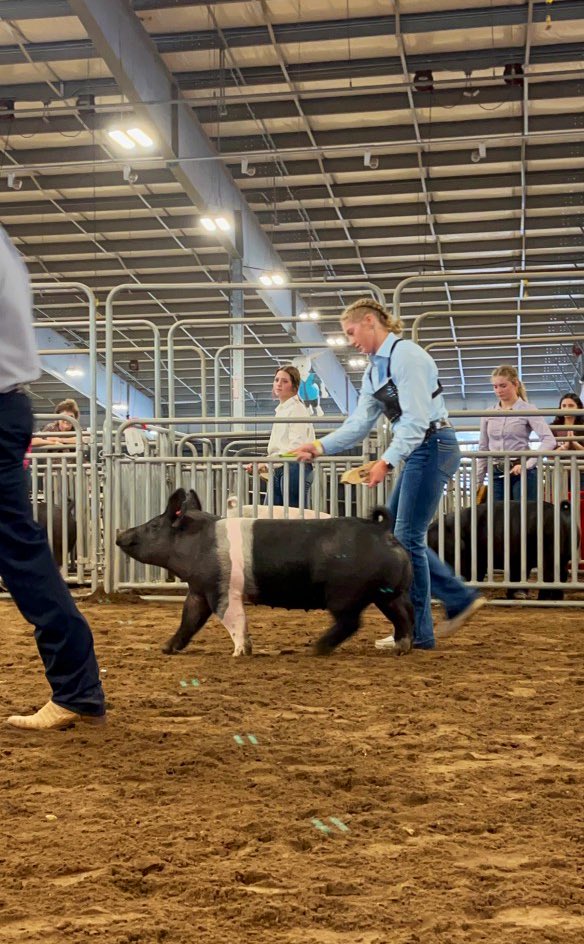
(213, 223)
(121, 138)
(75, 372)
(273, 278)
(140, 137)
(303, 316)
(314, 315)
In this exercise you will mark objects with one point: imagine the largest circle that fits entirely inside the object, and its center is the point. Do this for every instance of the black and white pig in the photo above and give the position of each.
(339, 564)
(514, 539)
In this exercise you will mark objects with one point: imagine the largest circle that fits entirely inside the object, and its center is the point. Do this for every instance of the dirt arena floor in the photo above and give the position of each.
(455, 779)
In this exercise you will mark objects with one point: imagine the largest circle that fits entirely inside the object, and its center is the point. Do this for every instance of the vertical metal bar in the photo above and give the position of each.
(457, 508)
(506, 521)
(64, 516)
(490, 517)
(574, 517)
(557, 508)
(473, 520)
(540, 524)
(523, 513)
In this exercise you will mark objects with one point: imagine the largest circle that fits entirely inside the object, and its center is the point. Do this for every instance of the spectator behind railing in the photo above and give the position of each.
(288, 436)
(62, 426)
(510, 433)
(569, 440)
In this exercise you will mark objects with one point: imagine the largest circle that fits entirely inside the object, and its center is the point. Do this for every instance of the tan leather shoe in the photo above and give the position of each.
(448, 627)
(52, 717)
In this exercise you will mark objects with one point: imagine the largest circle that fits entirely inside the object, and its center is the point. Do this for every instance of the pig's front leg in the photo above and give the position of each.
(236, 625)
(196, 612)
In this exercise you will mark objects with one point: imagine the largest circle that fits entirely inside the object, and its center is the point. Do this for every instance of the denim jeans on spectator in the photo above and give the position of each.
(293, 485)
(515, 486)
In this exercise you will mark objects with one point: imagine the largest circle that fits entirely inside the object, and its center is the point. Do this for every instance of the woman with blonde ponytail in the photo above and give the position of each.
(401, 383)
(510, 433)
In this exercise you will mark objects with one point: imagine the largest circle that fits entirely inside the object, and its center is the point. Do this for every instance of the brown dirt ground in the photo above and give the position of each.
(459, 774)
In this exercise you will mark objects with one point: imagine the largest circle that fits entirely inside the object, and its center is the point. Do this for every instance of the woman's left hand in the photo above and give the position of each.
(516, 470)
(377, 473)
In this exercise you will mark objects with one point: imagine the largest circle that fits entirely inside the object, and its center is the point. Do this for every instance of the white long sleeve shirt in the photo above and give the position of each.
(288, 436)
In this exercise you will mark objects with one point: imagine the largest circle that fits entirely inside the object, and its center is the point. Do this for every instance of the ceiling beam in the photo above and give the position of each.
(467, 60)
(301, 31)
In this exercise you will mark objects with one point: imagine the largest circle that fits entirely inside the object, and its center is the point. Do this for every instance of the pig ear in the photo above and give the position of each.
(192, 502)
(175, 503)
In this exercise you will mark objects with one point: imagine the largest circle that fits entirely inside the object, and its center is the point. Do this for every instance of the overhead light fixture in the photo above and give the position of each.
(273, 278)
(370, 160)
(314, 315)
(513, 73)
(130, 175)
(337, 340)
(247, 169)
(121, 138)
(213, 223)
(424, 80)
(120, 407)
(128, 138)
(140, 137)
(14, 182)
(303, 316)
(75, 372)
(357, 362)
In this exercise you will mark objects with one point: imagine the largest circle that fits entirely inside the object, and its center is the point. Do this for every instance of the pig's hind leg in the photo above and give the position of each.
(399, 610)
(196, 612)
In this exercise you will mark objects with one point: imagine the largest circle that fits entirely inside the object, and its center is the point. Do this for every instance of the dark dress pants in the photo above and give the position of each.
(30, 573)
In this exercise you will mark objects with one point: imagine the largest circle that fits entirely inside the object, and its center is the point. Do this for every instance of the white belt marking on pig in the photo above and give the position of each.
(234, 544)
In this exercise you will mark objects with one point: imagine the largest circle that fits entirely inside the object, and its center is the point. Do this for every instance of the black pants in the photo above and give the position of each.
(29, 572)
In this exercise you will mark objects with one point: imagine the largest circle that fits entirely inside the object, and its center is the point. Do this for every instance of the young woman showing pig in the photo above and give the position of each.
(402, 384)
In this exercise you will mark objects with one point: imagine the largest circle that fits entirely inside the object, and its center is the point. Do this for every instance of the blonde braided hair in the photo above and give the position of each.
(366, 306)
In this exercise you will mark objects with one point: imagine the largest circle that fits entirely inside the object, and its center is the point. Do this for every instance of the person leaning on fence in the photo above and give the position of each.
(510, 432)
(402, 383)
(27, 566)
(285, 437)
(568, 439)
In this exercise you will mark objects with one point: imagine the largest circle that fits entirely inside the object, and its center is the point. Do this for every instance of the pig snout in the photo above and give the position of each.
(126, 539)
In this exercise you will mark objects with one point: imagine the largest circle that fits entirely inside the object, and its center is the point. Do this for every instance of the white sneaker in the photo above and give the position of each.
(448, 627)
(388, 642)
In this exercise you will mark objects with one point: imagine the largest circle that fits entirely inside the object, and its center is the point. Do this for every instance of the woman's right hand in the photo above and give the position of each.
(308, 451)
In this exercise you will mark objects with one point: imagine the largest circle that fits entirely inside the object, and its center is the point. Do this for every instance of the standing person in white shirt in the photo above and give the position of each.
(288, 436)
(27, 566)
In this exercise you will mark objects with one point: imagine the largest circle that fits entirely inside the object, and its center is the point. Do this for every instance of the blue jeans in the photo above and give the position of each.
(515, 486)
(293, 485)
(28, 569)
(412, 506)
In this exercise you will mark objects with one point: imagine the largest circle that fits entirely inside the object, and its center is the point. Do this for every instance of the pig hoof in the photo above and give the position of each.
(245, 650)
(322, 648)
(402, 646)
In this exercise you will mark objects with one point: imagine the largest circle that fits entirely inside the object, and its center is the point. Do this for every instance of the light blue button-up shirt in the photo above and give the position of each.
(416, 377)
(19, 362)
